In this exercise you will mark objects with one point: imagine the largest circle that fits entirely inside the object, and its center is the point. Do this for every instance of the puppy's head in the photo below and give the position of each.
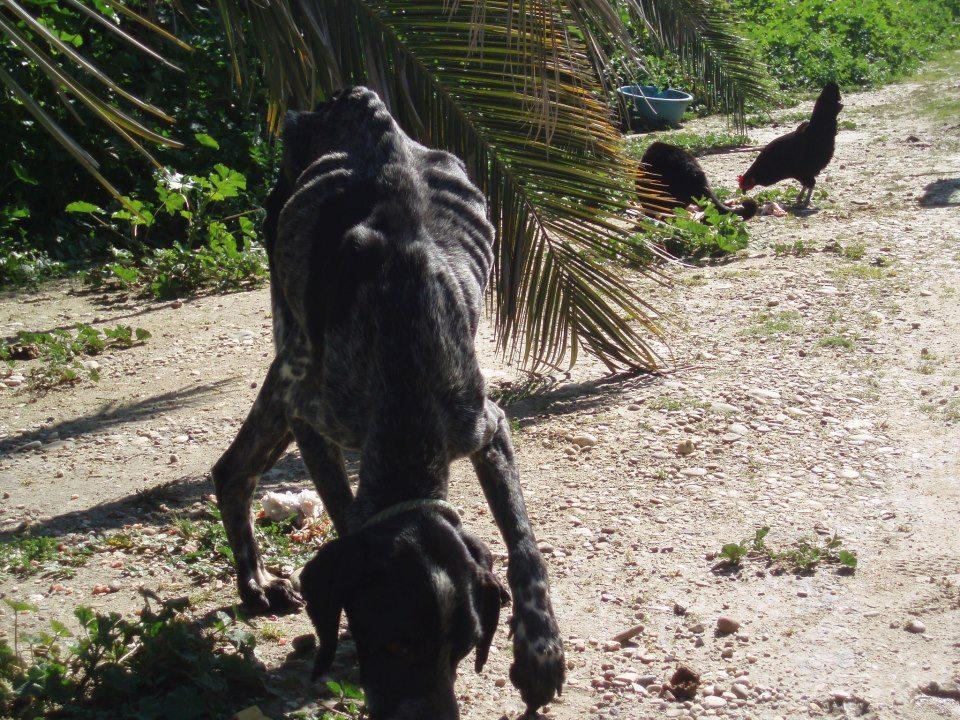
(419, 593)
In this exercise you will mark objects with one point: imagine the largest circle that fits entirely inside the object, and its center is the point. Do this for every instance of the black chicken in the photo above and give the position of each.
(802, 154)
(684, 179)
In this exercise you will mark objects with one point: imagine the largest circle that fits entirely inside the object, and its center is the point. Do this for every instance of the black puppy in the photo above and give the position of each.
(684, 179)
(379, 253)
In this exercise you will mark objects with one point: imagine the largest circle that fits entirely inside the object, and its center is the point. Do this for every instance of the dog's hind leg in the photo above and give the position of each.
(261, 441)
(325, 463)
(538, 667)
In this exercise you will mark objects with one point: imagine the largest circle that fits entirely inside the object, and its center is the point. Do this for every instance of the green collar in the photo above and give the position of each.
(402, 507)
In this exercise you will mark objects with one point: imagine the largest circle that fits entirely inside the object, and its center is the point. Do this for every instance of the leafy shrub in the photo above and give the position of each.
(854, 42)
(217, 253)
(683, 235)
(26, 268)
(178, 271)
(203, 101)
(158, 666)
(19, 265)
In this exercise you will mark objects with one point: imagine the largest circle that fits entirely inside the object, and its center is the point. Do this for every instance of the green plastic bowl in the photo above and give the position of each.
(653, 106)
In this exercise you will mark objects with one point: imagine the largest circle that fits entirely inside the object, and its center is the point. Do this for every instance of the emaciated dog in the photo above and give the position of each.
(379, 253)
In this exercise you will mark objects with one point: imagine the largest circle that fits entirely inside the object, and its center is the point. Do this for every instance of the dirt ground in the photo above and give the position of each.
(816, 374)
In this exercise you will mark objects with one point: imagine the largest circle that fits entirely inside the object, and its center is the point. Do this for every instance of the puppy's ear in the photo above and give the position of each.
(324, 584)
(491, 596)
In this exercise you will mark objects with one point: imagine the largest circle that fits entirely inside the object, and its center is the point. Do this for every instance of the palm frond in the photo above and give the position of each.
(48, 53)
(517, 100)
(704, 35)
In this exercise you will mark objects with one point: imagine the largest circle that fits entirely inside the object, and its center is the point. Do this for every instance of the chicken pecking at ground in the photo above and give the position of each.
(802, 154)
(684, 179)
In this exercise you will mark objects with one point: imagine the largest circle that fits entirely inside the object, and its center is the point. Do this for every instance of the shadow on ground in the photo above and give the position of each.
(114, 413)
(152, 506)
(941, 193)
(558, 400)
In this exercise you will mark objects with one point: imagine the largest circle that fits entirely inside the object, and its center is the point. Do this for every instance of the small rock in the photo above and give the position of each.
(948, 690)
(724, 407)
(727, 625)
(685, 447)
(684, 683)
(915, 626)
(679, 609)
(740, 690)
(628, 634)
(584, 440)
(713, 702)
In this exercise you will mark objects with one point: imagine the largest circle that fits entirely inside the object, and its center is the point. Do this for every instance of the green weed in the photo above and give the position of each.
(27, 555)
(206, 551)
(836, 341)
(797, 248)
(854, 251)
(801, 557)
(854, 42)
(775, 325)
(156, 666)
(861, 272)
(59, 351)
(786, 195)
(216, 254)
(684, 236)
(665, 403)
(27, 268)
(178, 271)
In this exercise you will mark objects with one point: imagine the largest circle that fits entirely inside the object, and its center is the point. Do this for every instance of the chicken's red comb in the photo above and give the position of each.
(739, 177)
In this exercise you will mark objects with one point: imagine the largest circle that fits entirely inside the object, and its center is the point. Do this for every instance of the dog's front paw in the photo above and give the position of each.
(538, 666)
(264, 594)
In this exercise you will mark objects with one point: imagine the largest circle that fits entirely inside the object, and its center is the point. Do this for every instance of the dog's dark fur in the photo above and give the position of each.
(379, 254)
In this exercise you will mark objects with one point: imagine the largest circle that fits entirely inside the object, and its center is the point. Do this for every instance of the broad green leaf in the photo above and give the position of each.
(81, 206)
(19, 606)
(207, 141)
